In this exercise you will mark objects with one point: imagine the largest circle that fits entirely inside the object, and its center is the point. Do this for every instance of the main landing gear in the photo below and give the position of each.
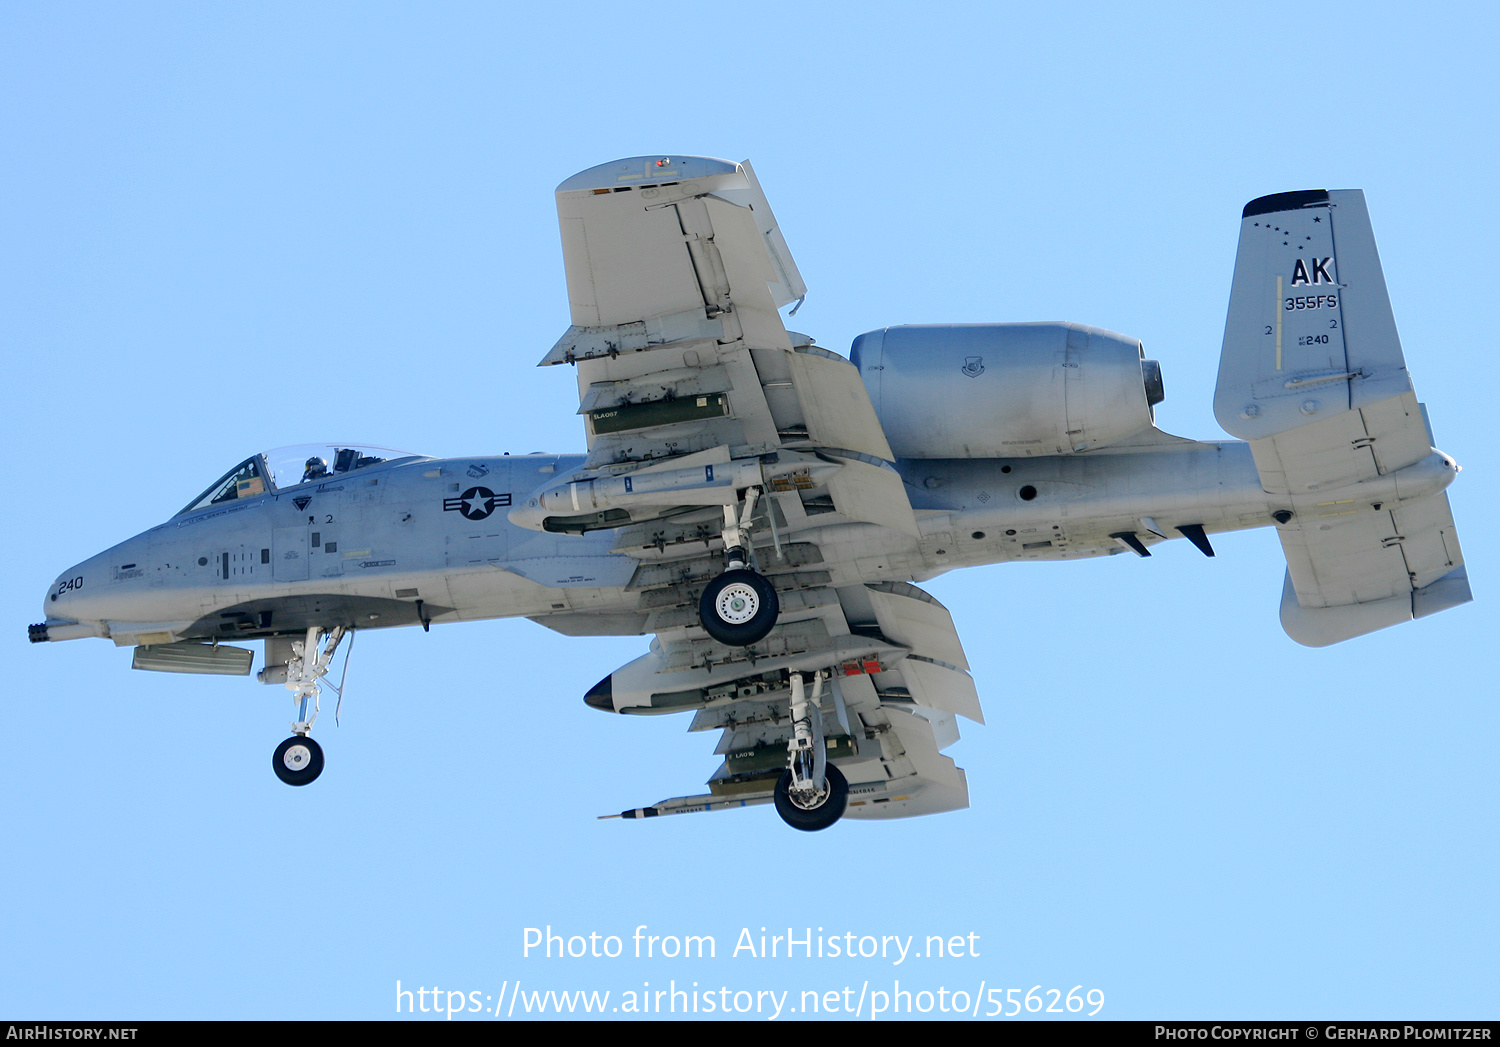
(299, 759)
(811, 793)
(739, 607)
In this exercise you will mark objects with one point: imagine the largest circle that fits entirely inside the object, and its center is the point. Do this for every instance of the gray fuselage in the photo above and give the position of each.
(424, 540)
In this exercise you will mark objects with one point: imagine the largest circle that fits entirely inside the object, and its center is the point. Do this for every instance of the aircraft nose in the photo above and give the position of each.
(67, 609)
(69, 595)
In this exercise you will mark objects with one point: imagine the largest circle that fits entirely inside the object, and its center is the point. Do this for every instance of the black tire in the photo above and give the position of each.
(738, 608)
(298, 760)
(820, 817)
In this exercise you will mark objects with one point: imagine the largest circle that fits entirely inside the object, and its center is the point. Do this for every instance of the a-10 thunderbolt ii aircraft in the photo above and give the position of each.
(764, 506)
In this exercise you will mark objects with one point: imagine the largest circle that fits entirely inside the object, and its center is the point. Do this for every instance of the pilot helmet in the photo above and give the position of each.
(317, 465)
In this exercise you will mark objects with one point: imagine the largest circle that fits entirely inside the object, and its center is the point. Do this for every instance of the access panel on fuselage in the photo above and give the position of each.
(289, 553)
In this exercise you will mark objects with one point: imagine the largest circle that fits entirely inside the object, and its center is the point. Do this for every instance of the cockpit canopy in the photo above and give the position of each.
(286, 467)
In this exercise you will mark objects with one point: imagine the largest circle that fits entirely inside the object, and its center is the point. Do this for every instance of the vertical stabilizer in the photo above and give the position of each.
(1313, 376)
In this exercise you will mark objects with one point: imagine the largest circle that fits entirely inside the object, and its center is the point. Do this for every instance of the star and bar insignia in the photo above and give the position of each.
(476, 503)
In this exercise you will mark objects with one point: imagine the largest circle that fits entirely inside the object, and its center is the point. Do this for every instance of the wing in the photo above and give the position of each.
(693, 392)
(897, 681)
(676, 269)
(1313, 376)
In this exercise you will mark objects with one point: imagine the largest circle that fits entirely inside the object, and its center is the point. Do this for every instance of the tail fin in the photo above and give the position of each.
(1312, 375)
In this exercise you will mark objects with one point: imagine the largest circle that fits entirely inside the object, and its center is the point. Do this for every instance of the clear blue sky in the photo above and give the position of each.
(231, 227)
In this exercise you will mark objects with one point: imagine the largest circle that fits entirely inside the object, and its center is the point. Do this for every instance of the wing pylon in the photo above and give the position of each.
(897, 681)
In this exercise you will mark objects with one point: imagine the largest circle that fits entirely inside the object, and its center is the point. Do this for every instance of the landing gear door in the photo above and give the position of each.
(289, 553)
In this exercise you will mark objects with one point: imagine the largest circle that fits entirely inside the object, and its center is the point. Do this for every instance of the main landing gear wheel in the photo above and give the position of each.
(738, 608)
(817, 811)
(298, 760)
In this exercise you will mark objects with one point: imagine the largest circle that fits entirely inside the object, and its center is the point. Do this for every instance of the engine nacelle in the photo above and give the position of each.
(1005, 390)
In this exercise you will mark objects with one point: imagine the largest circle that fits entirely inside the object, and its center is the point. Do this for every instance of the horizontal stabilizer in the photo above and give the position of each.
(1313, 376)
(1321, 626)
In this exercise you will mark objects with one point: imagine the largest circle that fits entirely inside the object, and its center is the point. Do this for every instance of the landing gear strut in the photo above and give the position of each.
(299, 759)
(811, 793)
(739, 607)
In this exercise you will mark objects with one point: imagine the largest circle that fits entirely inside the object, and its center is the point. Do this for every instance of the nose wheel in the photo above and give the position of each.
(298, 760)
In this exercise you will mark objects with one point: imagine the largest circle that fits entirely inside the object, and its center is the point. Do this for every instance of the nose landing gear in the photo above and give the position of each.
(299, 759)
